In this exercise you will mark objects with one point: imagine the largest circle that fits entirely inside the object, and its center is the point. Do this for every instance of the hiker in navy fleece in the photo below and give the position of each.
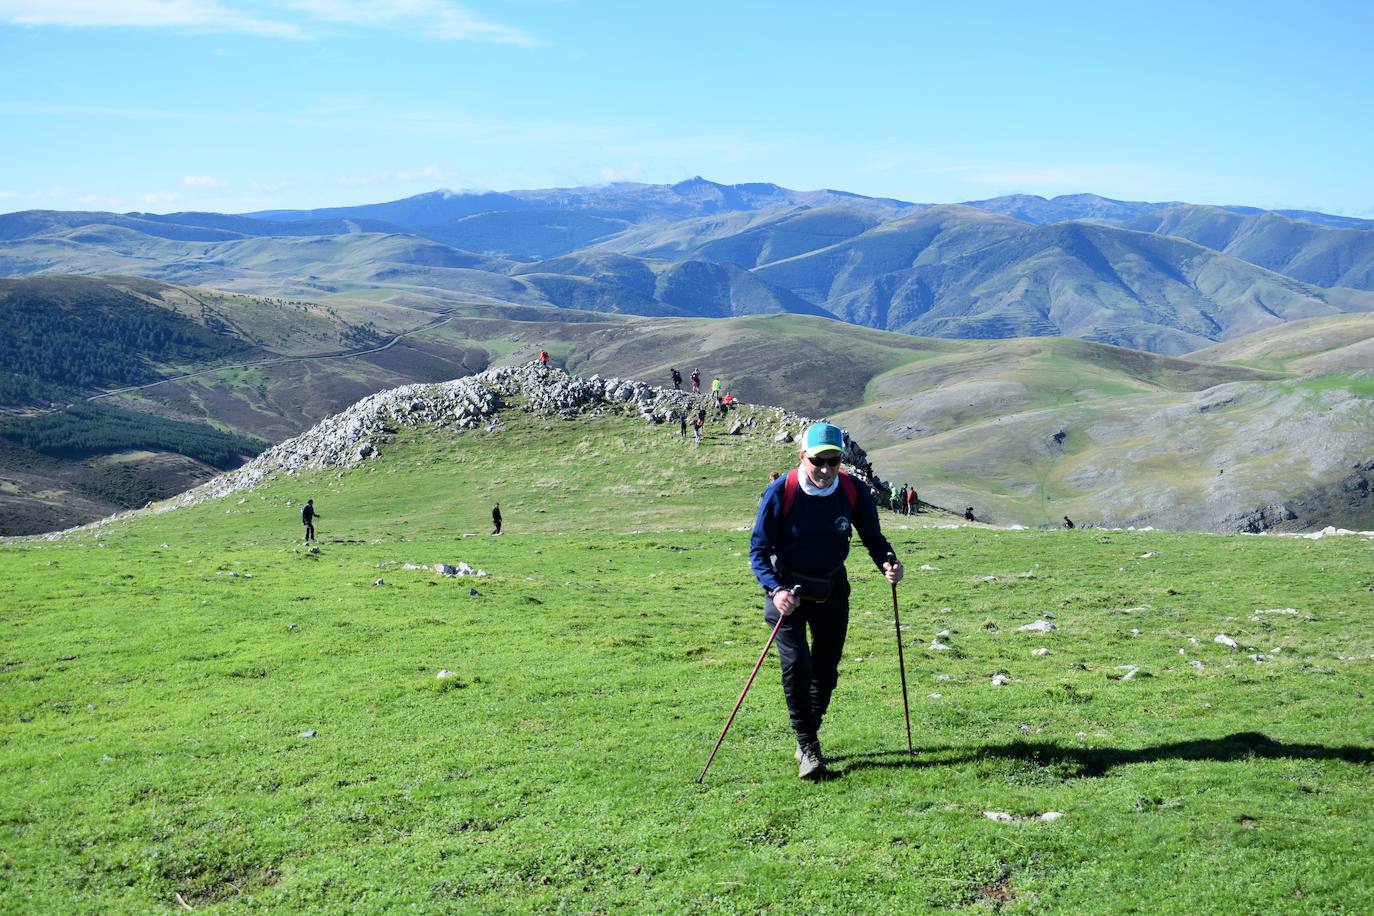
(801, 538)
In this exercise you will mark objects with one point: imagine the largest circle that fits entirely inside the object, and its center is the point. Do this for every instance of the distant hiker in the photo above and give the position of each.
(701, 415)
(308, 516)
(544, 358)
(968, 515)
(1068, 522)
(901, 499)
(913, 502)
(682, 424)
(697, 424)
(496, 518)
(677, 380)
(729, 401)
(696, 379)
(801, 538)
(715, 389)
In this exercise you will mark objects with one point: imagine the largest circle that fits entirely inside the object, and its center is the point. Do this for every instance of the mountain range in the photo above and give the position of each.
(1165, 277)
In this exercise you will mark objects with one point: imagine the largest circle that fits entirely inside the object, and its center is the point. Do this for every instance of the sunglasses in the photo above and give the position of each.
(831, 462)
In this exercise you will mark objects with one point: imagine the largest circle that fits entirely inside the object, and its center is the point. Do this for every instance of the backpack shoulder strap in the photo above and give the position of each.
(789, 491)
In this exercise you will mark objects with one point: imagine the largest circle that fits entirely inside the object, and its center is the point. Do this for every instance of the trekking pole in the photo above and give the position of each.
(757, 665)
(901, 660)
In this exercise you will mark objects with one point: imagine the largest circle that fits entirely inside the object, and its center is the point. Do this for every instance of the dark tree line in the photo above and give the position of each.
(82, 430)
(81, 334)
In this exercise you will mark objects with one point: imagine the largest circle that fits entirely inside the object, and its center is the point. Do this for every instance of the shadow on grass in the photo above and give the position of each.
(1098, 761)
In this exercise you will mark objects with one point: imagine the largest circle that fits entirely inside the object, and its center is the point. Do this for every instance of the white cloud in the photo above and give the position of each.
(269, 187)
(190, 15)
(158, 197)
(201, 181)
(434, 19)
(427, 173)
(6, 195)
(439, 19)
(632, 172)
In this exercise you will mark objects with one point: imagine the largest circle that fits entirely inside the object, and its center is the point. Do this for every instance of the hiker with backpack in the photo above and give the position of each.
(677, 380)
(801, 539)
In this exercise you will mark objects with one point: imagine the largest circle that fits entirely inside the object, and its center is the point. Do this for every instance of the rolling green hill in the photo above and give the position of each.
(196, 712)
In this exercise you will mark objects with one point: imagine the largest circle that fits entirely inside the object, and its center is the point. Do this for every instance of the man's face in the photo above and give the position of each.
(821, 470)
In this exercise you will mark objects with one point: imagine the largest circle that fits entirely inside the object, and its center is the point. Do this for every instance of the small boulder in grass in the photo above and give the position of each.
(307, 734)
(1040, 626)
(1041, 651)
(999, 680)
(938, 646)
(1224, 640)
(443, 673)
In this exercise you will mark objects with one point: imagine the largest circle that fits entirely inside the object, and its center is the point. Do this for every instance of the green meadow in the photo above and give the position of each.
(197, 712)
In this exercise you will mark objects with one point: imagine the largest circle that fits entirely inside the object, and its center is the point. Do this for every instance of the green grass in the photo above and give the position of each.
(1359, 386)
(151, 705)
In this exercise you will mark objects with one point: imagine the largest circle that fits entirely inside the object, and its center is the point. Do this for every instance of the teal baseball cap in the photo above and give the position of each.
(821, 438)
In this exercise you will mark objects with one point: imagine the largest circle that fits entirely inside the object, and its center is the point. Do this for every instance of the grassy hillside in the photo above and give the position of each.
(1030, 431)
(196, 712)
(1344, 343)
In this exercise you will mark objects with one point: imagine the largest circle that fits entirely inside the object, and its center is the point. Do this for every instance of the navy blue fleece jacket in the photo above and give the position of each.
(814, 538)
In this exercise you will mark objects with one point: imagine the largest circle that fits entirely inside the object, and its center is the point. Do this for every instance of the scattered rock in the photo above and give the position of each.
(445, 570)
(377, 582)
(444, 673)
(1224, 640)
(942, 677)
(1041, 651)
(1000, 679)
(926, 567)
(1040, 626)
(314, 550)
(309, 734)
(1275, 612)
(1000, 817)
(938, 646)
(473, 593)
(1196, 664)
(1051, 815)
(934, 696)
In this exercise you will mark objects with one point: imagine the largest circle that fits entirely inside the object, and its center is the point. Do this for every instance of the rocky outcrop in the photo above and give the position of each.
(363, 431)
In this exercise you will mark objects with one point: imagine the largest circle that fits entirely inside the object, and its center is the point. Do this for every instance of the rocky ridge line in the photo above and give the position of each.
(360, 432)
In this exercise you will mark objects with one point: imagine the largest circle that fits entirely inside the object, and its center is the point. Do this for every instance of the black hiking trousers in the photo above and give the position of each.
(309, 531)
(810, 671)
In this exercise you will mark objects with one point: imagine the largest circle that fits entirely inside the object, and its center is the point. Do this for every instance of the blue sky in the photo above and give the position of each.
(240, 105)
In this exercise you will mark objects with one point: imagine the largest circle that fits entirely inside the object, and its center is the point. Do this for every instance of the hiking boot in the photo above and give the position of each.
(810, 763)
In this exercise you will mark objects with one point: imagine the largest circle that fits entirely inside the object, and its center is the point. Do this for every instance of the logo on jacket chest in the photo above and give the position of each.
(842, 525)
